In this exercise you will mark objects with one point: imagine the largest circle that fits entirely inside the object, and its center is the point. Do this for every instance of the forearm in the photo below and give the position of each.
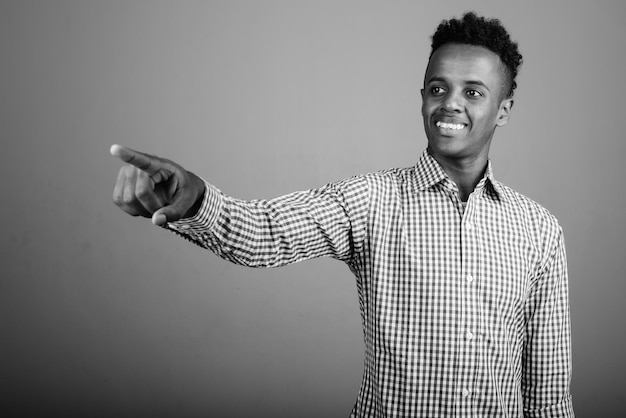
(271, 233)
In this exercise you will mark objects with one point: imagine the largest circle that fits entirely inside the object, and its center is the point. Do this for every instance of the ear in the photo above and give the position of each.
(422, 93)
(504, 112)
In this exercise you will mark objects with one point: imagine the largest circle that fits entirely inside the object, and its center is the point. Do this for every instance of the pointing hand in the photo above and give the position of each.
(151, 186)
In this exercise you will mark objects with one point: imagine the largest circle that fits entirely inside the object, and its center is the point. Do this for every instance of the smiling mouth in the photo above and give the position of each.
(453, 126)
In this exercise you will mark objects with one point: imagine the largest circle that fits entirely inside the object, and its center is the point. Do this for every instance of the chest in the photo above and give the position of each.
(429, 250)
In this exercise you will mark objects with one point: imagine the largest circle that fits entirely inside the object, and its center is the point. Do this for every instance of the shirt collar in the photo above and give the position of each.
(428, 173)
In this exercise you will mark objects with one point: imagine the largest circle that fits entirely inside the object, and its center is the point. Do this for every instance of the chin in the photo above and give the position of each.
(448, 149)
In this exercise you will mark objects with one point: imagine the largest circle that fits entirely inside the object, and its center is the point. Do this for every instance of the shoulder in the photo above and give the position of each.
(527, 205)
(382, 185)
(539, 221)
(386, 179)
(391, 179)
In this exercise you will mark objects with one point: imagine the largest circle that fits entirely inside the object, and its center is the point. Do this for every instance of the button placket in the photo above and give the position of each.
(470, 304)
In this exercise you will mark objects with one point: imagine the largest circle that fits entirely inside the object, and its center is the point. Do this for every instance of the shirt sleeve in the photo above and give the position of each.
(547, 366)
(329, 221)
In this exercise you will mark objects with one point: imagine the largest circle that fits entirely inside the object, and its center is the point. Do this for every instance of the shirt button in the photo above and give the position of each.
(469, 226)
(465, 393)
(469, 335)
(470, 278)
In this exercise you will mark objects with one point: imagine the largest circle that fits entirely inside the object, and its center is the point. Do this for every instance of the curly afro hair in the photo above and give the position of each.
(489, 33)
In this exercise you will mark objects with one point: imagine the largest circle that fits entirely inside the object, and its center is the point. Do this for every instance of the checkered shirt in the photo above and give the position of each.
(465, 309)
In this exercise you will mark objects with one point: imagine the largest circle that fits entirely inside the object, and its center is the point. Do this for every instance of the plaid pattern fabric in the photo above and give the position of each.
(465, 308)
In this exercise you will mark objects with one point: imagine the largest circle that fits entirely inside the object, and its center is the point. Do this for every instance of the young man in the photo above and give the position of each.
(462, 282)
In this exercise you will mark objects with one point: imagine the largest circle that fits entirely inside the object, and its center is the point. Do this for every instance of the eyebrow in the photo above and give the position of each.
(473, 82)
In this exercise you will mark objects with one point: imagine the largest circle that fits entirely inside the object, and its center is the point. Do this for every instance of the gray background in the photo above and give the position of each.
(105, 315)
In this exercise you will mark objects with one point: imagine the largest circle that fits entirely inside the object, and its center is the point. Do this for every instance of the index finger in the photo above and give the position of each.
(140, 160)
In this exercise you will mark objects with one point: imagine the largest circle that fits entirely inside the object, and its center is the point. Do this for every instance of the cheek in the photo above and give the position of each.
(427, 108)
(483, 117)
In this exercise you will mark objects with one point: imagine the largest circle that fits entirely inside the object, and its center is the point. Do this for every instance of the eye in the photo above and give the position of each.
(474, 93)
(437, 90)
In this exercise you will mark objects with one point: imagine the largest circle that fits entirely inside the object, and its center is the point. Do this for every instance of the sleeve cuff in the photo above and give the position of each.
(563, 409)
(205, 219)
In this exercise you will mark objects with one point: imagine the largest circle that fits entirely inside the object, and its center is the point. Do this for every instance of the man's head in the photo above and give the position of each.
(468, 88)
(488, 33)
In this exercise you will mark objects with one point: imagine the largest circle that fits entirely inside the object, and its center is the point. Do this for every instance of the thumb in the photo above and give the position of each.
(159, 218)
(170, 213)
(186, 202)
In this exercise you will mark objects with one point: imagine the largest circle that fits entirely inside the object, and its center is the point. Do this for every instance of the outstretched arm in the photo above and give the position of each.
(329, 221)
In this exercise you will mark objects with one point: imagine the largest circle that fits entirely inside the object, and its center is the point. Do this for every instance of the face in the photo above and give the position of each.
(463, 102)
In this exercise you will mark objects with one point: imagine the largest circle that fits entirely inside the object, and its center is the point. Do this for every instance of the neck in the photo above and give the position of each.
(466, 173)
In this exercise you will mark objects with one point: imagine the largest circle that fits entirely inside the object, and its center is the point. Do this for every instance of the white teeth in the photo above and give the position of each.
(455, 126)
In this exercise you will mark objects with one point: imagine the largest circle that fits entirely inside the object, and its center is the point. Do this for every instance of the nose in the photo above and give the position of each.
(452, 102)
